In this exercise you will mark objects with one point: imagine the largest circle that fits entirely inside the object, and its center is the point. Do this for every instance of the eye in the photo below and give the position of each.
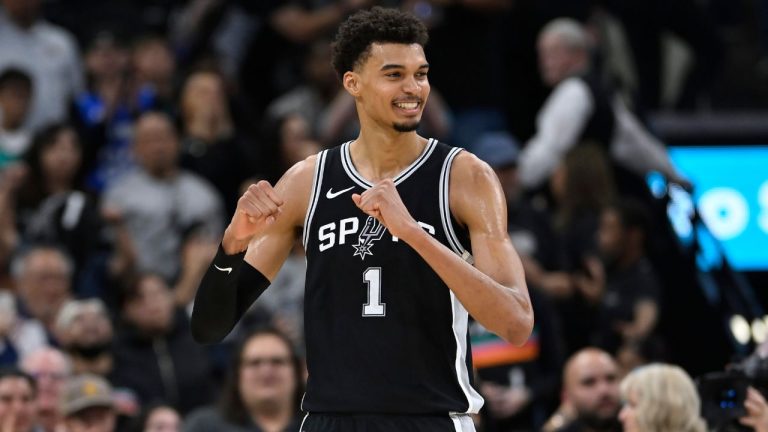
(421, 74)
(393, 75)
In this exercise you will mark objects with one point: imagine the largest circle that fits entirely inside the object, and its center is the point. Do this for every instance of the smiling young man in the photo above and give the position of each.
(387, 222)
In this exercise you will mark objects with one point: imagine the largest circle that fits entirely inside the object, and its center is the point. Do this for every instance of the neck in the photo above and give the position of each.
(379, 154)
(163, 174)
(272, 417)
(55, 186)
(49, 420)
(101, 365)
(11, 126)
(630, 257)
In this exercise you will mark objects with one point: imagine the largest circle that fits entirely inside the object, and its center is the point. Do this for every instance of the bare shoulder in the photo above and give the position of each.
(475, 192)
(295, 187)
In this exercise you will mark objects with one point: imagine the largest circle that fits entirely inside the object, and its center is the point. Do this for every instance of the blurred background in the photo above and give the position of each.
(630, 137)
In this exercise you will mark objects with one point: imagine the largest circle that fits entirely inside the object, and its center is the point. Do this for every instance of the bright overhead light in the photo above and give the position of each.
(759, 330)
(740, 329)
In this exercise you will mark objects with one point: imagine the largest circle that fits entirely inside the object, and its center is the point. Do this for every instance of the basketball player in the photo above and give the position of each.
(387, 222)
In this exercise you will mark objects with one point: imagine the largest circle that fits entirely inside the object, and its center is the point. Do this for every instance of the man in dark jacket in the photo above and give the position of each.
(154, 351)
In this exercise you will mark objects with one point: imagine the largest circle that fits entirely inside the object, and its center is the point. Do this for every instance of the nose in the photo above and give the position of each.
(623, 412)
(411, 85)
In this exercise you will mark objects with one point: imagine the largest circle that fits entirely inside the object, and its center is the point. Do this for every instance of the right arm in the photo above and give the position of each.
(261, 233)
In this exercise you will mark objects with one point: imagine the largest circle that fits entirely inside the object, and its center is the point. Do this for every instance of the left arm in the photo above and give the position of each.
(494, 291)
(561, 120)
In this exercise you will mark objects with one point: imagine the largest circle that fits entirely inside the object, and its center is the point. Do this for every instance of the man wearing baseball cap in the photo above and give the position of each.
(87, 404)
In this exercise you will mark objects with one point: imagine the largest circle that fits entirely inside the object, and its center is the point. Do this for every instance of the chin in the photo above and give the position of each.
(406, 127)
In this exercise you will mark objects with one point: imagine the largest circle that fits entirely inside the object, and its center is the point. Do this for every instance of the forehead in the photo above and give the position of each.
(151, 123)
(592, 367)
(551, 40)
(265, 345)
(381, 54)
(14, 385)
(49, 361)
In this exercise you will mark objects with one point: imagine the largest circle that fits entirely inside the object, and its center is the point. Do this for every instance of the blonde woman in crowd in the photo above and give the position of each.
(660, 398)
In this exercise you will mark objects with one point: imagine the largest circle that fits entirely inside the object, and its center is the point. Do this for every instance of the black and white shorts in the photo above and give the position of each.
(320, 422)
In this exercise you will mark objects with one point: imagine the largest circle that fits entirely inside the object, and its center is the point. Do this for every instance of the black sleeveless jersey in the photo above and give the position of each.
(384, 333)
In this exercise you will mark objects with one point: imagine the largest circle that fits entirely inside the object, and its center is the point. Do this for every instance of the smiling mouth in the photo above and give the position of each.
(408, 105)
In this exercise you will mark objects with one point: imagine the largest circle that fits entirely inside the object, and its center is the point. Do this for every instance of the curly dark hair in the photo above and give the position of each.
(352, 43)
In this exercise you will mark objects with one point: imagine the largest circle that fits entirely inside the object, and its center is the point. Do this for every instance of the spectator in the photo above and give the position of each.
(53, 209)
(647, 24)
(154, 352)
(473, 32)
(9, 355)
(43, 277)
(590, 394)
(17, 401)
(313, 99)
(88, 405)
(105, 112)
(154, 67)
(294, 141)
(630, 289)
(50, 368)
(158, 417)
(579, 109)
(15, 99)
(263, 391)
(11, 178)
(85, 332)
(660, 397)
(47, 53)
(172, 216)
(581, 187)
(273, 60)
(212, 147)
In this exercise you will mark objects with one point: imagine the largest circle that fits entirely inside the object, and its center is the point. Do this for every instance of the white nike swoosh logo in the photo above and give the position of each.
(332, 195)
(226, 269)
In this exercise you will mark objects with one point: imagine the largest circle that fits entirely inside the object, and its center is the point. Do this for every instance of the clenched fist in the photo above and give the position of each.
(256, 209)
(383, 202)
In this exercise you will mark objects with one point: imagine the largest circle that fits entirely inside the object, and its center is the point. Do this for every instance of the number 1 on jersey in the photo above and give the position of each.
(374, 307)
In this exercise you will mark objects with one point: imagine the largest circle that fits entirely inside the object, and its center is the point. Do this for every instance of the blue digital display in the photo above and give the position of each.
(731, 195)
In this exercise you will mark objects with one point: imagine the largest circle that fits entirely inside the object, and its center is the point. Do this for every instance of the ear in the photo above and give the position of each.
(351, 82)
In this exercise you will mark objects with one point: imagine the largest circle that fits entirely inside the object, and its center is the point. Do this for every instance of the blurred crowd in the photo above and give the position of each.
(129, 129)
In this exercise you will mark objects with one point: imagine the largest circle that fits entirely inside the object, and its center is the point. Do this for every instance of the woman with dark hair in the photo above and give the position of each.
(263, 391)
(581, 187)
(50, 205)
(157, 417)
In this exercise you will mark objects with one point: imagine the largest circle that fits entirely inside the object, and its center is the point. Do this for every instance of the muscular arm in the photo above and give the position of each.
(494, 291)
(221, 302)
(499, 298)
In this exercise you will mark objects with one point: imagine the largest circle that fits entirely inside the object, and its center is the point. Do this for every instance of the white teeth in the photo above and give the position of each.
(407, 105)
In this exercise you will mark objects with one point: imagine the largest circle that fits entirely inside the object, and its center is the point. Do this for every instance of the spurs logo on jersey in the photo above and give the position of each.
(334, 233)
(372, 231)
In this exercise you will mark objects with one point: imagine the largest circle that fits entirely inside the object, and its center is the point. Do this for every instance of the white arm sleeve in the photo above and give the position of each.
(635, 148)
(558, 126)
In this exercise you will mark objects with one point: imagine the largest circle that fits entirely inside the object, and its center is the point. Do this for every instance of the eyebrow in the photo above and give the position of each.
(397, 66)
